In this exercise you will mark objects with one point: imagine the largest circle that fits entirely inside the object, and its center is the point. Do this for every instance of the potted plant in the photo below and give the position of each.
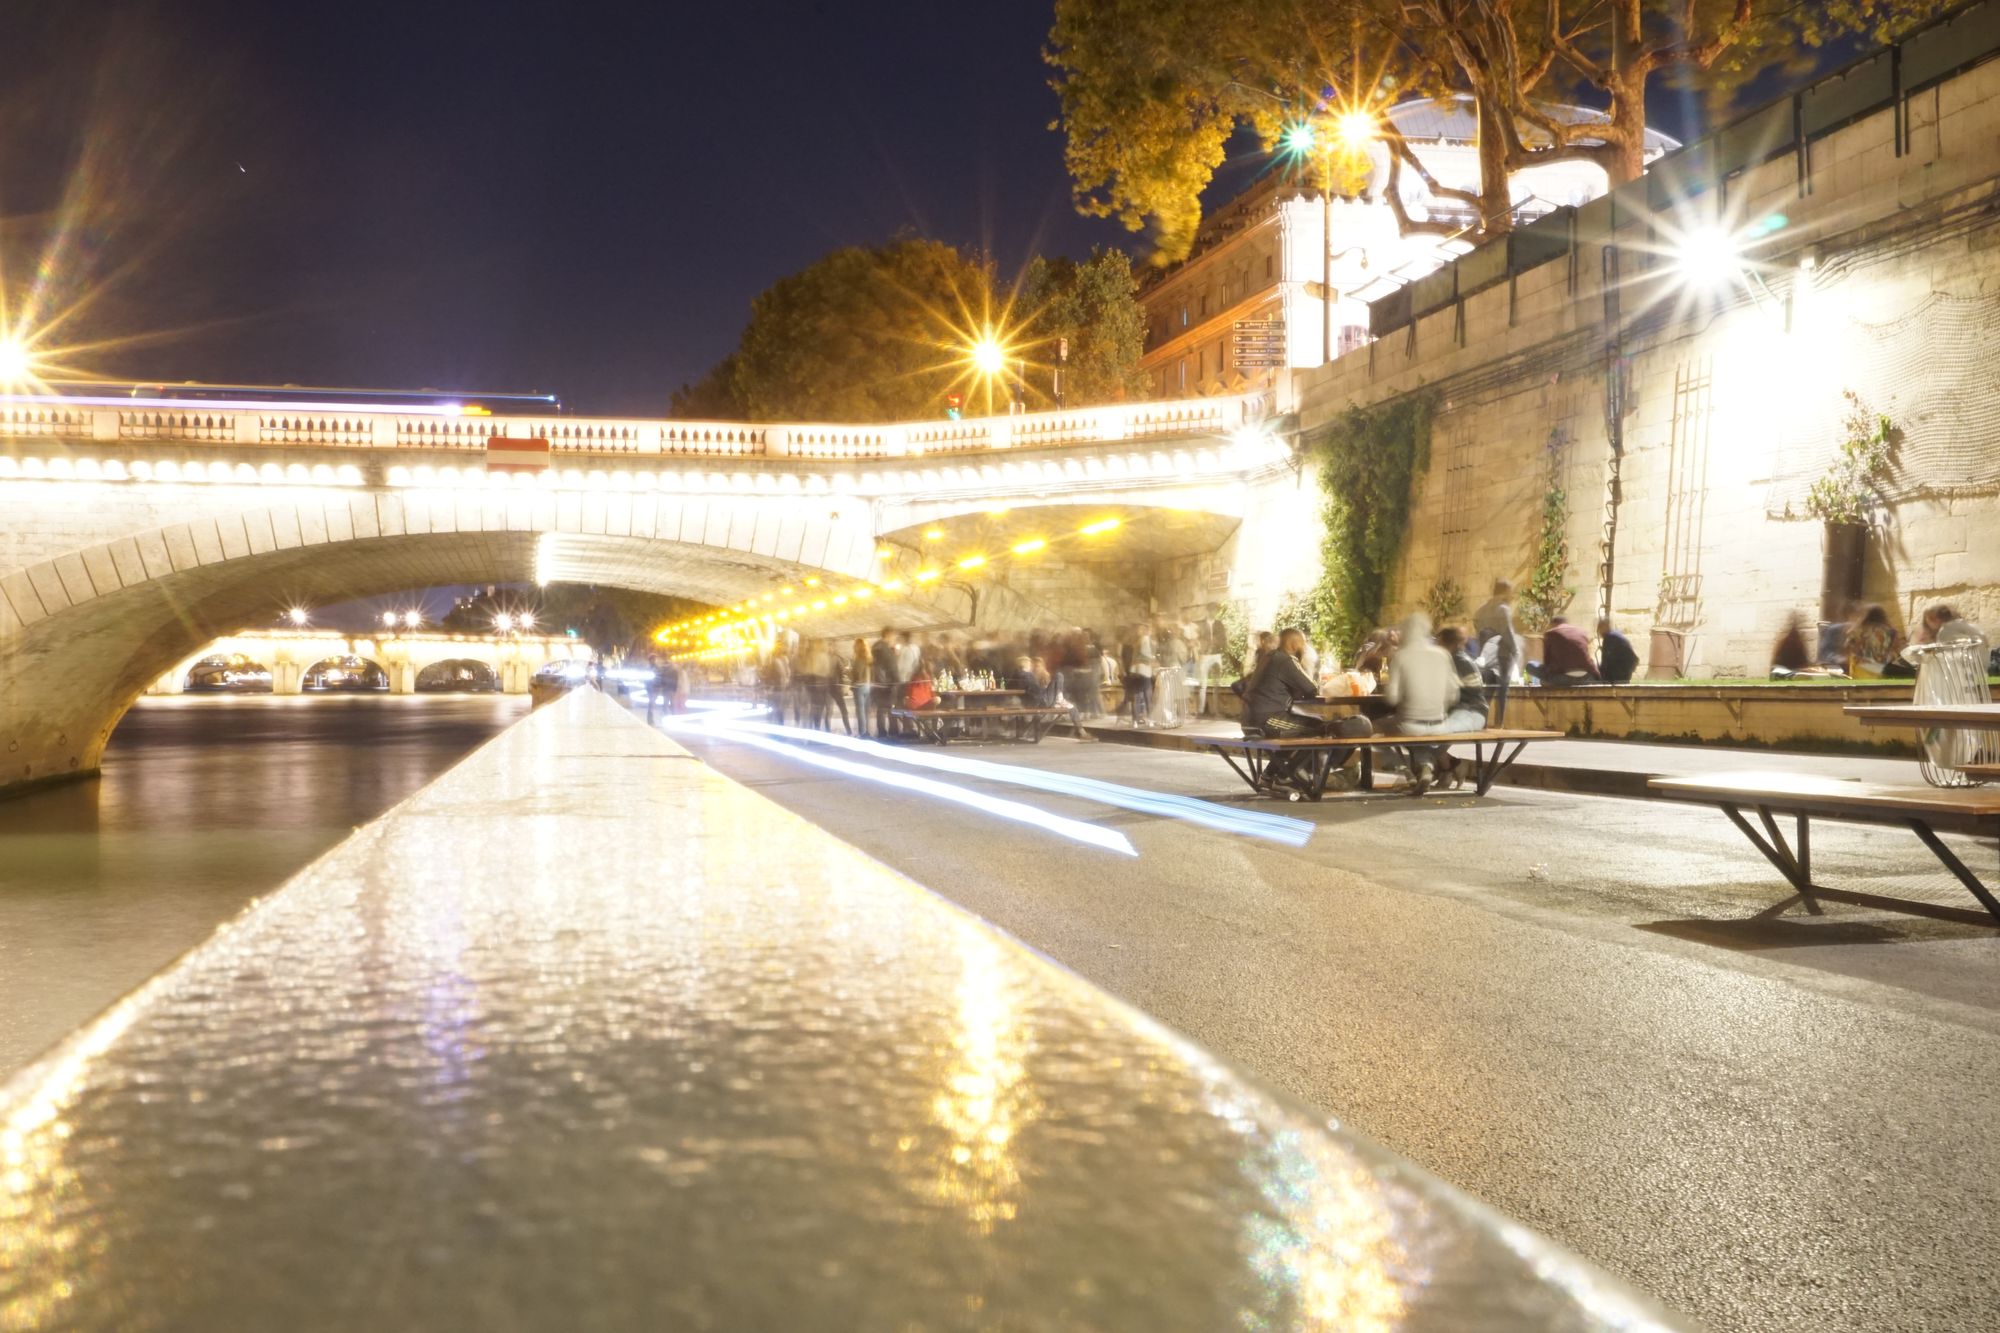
(1843, 497)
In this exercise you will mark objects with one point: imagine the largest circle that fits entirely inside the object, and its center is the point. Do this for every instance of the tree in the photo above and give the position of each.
(710, 398)
(860, 335)
(1095, 306)
(884, 335)
(1613, 48)
(1152, 90)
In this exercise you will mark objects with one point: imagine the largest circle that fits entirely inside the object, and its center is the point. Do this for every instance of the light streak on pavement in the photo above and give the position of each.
(736, 724)
(1075, 829)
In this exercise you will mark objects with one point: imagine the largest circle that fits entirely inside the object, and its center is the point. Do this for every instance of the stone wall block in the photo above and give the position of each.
(24, 602)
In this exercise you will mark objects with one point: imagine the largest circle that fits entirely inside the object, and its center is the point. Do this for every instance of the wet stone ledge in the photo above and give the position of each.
(585, 1035)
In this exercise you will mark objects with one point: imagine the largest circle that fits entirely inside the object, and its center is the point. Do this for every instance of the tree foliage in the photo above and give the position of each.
(863, 334)
(881, 335)
(1152, 90)
(710, 398)
(1369, 461)
(1094, 304)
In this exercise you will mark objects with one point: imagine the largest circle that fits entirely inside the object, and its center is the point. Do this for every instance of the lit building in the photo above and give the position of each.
(1258, 258)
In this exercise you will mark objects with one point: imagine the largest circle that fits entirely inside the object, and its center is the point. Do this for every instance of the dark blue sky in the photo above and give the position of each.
(567, 196)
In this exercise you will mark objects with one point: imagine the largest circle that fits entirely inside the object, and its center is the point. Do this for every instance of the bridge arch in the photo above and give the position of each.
(458, 674)
(346, 672)
(225, 671)
(85, 632)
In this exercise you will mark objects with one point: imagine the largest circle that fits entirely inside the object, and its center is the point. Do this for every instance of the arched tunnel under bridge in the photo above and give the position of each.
(109, 621)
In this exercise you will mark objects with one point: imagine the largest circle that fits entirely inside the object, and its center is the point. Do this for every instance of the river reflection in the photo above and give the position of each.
(206, 802)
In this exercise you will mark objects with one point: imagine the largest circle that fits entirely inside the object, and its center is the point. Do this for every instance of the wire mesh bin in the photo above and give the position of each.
(1952, 673)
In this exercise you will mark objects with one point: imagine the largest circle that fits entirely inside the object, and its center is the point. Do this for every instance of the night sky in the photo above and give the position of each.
(569, 197)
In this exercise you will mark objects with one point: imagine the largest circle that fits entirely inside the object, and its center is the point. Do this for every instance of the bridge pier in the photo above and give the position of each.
(515, 675)
(402, 676)
(287, 676)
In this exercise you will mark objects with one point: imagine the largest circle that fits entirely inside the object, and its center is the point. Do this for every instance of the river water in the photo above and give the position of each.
(205, 803)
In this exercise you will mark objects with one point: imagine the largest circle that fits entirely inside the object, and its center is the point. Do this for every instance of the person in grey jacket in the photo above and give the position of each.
(1424, 688)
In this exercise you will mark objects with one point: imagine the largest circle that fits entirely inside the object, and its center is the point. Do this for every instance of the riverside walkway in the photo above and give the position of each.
(586, 1035)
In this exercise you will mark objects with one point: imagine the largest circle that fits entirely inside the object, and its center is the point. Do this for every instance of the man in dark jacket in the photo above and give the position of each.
(1267, 705)
(884, 677)
(1616, 661)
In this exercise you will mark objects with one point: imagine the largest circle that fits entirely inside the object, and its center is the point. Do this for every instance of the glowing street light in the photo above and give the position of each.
(1709, 258)
(1353, 129)
(988, 356)
(389, 619)
(17, 364)
(503, 622)
(526, 620)
(413, 619)
(298, 615)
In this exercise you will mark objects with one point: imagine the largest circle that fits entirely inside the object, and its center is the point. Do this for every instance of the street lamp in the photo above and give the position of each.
(988, 355)
(1349, 131)
(1709, 258)
(298, 616)
(503, 622)
(413, 619)
(16, 362)
(389, 620)
(526, 620)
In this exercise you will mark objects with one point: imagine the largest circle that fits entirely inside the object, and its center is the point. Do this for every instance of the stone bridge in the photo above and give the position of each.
(133, 532)
(402, 656)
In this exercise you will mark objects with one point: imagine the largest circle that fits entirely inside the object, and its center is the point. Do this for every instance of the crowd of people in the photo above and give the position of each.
(1151, 673)
(1413, 679)
(1864, 644)
(1419, 680)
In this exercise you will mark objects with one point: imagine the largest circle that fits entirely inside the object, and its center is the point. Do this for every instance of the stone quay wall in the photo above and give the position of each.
(1877, 274)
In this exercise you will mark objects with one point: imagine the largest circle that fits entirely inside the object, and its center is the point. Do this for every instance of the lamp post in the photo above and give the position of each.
(988, 358)
(1349, 131)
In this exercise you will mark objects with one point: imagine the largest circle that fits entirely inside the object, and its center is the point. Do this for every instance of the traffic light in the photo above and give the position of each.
(952, 403)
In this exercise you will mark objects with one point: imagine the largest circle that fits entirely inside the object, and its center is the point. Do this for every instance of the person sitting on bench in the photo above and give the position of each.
(1565, 656)
(1425, 688)
(1267, 706)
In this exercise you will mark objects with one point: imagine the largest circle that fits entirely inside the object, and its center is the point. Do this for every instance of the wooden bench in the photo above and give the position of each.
(1251, 757)
(1925, 811)
(1030, 724)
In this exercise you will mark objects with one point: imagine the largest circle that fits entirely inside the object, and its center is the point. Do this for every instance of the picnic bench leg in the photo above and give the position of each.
(1319, 766)
(1955, 866)
(1367, 768)
(1488, 768)
(1775, 852)
(1251, 771)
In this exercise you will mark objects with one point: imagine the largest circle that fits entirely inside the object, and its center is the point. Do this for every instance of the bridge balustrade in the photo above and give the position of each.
(174, 426)
(41, 422)
(27, 417)
(353, 431)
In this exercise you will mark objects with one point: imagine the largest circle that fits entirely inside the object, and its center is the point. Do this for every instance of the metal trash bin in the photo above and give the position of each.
(1952, 673)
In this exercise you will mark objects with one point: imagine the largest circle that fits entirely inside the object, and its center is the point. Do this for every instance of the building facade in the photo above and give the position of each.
(1259, 257)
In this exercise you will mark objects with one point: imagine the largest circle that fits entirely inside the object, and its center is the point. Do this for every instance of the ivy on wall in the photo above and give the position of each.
(1546, 595)
(1368, 462)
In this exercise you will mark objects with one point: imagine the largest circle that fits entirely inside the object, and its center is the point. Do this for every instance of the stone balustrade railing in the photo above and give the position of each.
(43, 417)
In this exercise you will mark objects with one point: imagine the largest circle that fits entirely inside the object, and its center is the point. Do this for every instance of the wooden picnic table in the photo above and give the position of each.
(961, 697)
(1925, 811)
(1965, 717)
